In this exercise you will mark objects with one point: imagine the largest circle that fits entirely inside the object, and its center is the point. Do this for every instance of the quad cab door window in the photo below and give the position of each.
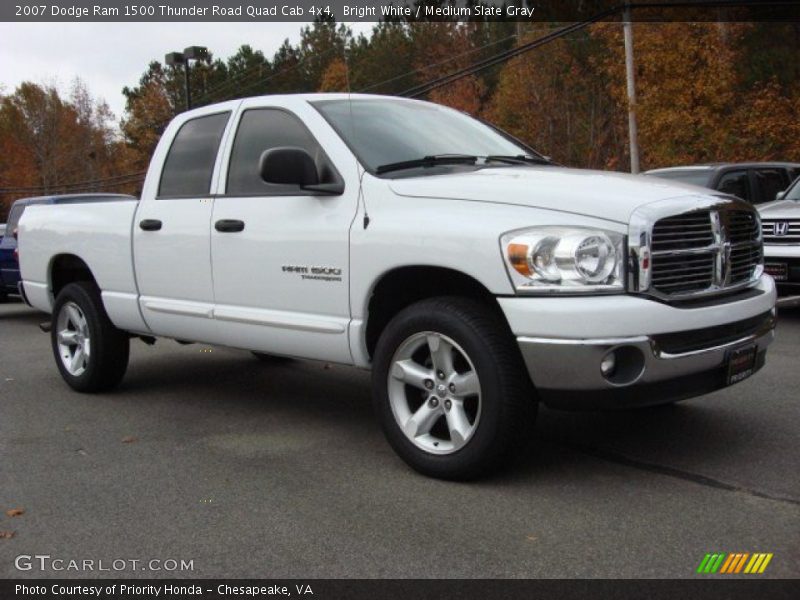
(286, 268)
(172, 233)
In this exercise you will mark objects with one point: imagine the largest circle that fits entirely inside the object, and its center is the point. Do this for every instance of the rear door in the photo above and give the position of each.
(281, 282)
(171, 231)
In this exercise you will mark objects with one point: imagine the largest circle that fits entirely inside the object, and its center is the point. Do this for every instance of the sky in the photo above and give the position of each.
(109, 56)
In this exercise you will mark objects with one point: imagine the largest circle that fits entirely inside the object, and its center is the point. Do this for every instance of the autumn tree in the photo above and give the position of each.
(48, 141)
(554, 100)
(335, 78)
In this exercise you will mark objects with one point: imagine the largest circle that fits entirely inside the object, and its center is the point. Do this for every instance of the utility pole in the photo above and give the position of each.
(183, 58)
(633, 134)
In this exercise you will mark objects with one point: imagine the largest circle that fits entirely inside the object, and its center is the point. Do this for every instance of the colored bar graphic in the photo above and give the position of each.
(734, 562)
(703, 563)
(740, 564)
(764, 564)
(727, 564)
(716, 564)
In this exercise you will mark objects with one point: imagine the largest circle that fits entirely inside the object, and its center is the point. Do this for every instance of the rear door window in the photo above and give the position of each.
(736, 183)
(190, 161)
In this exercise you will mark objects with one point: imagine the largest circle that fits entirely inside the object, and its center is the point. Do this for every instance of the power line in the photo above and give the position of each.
(422, 89)
(438, 64)
(117, 180)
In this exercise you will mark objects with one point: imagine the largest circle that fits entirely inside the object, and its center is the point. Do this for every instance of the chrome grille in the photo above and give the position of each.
(781, 231)
(704, 251)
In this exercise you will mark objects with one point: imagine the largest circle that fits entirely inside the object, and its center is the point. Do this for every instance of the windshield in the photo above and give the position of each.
(389, 131)
(685, 176)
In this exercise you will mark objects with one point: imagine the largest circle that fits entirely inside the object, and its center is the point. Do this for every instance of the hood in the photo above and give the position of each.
(601, 194)
(780, 209)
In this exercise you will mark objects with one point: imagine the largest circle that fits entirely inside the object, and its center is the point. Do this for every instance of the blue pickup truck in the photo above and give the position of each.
(9, 258)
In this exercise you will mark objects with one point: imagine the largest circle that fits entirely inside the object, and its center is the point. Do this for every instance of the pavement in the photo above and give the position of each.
(251, 469)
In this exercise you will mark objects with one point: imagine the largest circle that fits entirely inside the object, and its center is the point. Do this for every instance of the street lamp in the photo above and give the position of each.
(182, 58)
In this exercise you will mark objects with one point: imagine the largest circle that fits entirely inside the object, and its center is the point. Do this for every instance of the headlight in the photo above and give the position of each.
(564, 260)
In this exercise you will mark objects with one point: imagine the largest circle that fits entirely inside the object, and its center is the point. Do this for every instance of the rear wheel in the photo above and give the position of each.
(91, 354)
(450, 389)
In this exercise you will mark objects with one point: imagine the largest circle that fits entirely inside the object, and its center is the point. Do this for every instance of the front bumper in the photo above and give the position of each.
(677, 353)
(788, 257)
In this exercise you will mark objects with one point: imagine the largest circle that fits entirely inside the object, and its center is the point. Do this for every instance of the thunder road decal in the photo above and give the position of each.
(735, 562)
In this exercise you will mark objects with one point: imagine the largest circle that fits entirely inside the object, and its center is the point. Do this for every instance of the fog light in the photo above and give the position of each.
(608, 364)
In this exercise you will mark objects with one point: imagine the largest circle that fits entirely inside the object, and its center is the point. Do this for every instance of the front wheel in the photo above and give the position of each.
(91, 354)
(450, 388)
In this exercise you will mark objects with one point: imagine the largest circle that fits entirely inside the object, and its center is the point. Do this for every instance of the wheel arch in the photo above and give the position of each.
(67, 268)
(400, 287)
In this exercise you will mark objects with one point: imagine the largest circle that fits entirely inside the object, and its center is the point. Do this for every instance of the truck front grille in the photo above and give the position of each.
(781, 231)
(704, 251)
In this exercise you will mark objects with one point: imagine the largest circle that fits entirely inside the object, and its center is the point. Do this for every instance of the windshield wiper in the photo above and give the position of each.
(518, 159)
(428, 161)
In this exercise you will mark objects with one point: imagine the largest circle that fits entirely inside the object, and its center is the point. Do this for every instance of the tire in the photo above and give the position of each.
(474, 433)
(79, 317)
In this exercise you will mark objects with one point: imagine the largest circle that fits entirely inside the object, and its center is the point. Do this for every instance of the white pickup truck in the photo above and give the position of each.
(473, 277)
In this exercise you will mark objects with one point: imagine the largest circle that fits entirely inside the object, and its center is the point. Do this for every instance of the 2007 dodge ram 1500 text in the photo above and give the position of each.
(473, 277)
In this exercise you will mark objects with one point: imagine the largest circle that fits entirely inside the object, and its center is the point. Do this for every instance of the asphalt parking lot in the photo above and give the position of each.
(279, 470)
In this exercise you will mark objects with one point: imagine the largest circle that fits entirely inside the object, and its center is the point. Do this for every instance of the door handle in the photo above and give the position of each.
(150, 224)
(229, 225)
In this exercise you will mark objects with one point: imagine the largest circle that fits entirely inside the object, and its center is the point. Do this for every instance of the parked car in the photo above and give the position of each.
(9, 256)
(754, 182)
(473, 277)
(780, 222)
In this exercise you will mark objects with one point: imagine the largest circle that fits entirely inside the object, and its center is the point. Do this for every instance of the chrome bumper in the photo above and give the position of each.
(567, 372)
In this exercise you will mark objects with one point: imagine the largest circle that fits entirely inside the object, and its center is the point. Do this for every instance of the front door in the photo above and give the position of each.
(280, 255)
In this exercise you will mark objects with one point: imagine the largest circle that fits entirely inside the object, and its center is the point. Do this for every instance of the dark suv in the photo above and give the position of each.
(755, 182)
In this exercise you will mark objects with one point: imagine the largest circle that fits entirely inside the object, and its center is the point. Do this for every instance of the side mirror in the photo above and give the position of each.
(294, 166)
(780, 195)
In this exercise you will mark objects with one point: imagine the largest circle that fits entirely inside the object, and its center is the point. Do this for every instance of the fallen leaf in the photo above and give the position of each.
(129, 439)
(15, 512)
(531, 538)
(7, 535)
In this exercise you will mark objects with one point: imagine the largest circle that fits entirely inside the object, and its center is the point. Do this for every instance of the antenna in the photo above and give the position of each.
(360, 171)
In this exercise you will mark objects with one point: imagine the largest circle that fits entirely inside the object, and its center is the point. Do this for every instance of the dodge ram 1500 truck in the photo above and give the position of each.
(473, 277)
